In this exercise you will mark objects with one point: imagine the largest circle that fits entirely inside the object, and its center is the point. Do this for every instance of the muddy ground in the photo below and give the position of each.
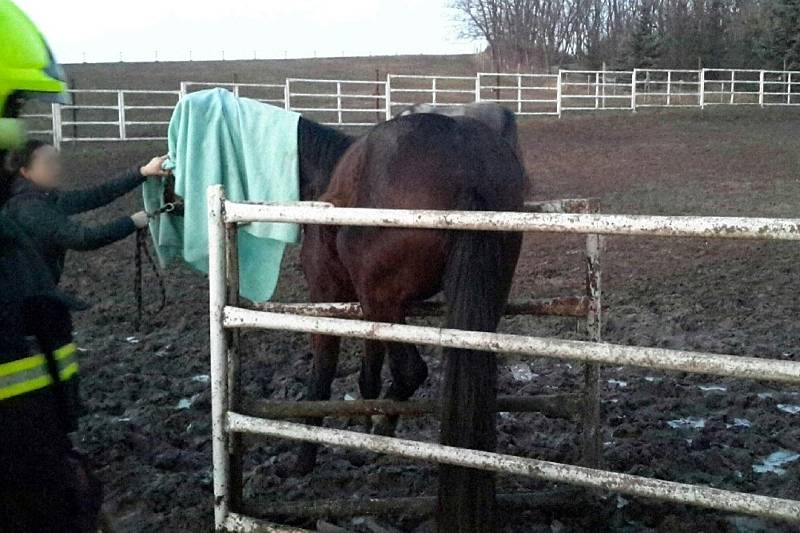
(147, 425)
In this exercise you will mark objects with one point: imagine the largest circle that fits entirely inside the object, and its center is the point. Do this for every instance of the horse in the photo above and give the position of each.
(419, 161)
(496, 117)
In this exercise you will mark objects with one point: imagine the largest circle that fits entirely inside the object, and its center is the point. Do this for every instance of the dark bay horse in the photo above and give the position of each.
(421, 161)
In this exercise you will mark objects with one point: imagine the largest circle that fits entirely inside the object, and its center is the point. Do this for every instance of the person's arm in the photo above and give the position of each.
(74, 202)
(45, 223)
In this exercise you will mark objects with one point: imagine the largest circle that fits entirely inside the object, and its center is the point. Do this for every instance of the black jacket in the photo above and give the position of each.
(44, 216)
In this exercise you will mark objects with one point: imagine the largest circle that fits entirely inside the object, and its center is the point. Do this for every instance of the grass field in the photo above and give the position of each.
(167, 75)
(153, 452)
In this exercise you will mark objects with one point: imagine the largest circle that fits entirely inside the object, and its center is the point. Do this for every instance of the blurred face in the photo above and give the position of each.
(44, 168)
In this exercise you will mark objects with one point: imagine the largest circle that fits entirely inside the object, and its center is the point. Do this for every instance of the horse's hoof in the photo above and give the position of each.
(384, 425)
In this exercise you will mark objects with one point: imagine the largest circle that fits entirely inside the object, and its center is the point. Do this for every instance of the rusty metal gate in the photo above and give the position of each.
(231, 419)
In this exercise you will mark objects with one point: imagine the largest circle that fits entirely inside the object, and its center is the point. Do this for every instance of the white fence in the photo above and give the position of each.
(125, 115)
(230, 420)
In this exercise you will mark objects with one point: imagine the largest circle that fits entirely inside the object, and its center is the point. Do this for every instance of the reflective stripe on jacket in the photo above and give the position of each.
(32, 373)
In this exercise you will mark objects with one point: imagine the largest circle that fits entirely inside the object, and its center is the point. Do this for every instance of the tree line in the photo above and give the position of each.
(626, 34)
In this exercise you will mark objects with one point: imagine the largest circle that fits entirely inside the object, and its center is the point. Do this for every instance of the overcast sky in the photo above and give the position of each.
(101, 30)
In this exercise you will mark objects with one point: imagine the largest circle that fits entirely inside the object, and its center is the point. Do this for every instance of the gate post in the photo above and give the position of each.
(232, 339)
(633, 91)
(761, 76)
(287, 95)
(478, 87)
(592, 456)
(218, 346)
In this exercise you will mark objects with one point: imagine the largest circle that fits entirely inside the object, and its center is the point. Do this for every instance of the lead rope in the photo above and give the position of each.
(138, 283)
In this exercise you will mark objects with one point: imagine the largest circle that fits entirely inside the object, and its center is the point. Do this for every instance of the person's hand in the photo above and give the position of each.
(153, 168)
(140, 219)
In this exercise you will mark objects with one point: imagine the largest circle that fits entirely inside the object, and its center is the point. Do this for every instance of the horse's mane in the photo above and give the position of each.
(321, 147)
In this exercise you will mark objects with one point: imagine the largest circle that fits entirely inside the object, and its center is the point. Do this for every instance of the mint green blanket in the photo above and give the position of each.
(251, 149)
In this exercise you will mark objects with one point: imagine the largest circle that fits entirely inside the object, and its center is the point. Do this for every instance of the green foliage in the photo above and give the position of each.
(645, 44)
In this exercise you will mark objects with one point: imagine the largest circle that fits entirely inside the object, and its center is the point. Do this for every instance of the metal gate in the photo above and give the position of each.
(230, 419)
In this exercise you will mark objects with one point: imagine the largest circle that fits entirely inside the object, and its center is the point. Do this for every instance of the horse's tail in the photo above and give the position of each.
(476, 284)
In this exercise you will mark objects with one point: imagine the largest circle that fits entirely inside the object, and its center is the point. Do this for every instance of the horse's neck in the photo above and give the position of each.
(320, 149)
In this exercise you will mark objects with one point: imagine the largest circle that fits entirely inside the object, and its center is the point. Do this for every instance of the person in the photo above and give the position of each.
(45, 486)
(38, 205)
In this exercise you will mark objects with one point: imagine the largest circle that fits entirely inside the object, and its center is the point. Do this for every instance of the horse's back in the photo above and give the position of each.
(499, 119)
(426, 161)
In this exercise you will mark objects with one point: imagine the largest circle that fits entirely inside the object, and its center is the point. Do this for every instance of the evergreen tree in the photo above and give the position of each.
(782, 42)
(645, 42)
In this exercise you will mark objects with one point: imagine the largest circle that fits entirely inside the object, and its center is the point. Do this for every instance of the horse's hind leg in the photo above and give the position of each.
(326, 357)
(408, 369)
(369, 378)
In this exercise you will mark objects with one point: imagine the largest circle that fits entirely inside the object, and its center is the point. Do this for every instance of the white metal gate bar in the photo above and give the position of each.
(520, 345)
(224, 215)
(738, 502)
(655, 226)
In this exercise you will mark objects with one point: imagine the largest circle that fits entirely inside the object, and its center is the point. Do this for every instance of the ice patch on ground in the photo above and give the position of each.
(739, 423)
(522, 372)
(789, 408)
(714, 388)
(774, 462)
(201, 378)
(186, 403)
(690, 422)
(618, 383)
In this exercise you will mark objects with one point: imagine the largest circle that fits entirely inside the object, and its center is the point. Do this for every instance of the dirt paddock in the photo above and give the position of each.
(147, 424)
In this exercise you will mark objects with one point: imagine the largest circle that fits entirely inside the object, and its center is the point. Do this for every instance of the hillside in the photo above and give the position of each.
(167, 75)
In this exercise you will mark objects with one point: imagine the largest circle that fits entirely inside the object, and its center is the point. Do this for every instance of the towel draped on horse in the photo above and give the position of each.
(251, 149)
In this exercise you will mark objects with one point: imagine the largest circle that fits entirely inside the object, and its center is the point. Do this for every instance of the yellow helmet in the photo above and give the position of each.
(28, 70)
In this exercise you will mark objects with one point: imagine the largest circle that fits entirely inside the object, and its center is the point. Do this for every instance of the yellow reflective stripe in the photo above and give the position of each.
(21, 365)
(65, 351)
(68, 371)
(25, 386)
(34, 368)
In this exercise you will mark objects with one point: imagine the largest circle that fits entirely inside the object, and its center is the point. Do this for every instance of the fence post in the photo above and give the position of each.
(182, 92)
(592, 455)
(287, 94)
(233, 340)
(761, 88)
(519, 93)
(217, 298)
(433, 91)
(478, 87)
(121, 107)
(559, 94)
(733, 86)
(339, 101)
(669, 87)
(789, 89)
(597, 90)
(236, 90)
(633, 91)
(55, 112)
(702, 88)
(388, 98)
